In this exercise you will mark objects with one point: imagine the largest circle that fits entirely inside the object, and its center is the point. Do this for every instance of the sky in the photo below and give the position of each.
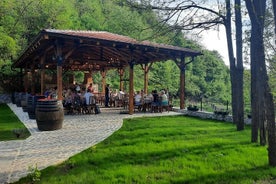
(216, 40)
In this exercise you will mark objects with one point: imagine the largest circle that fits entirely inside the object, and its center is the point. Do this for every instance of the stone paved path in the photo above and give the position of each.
(47, 148)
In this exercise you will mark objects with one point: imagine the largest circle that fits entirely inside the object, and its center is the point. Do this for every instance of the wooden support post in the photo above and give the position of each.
(121, 72)
(26, 80)
(182, 90)
(33, 81)
(182, 68)
(59, 82)
(146, 69)
(71, 79)
(131, 88)
(59, 70)
(146, 79)
(182, 83)
(103, 74)
(42, 81)
(42, 75)
(88, 78)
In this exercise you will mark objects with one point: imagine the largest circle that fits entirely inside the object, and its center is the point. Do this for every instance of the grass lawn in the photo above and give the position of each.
(10, 126)
(167, 150)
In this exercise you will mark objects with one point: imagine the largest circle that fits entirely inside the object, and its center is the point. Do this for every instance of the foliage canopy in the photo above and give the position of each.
(20, 22)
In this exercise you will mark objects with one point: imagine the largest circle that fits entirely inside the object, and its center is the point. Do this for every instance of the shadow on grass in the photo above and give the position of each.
(97, 160)
(168, 156)
(261, 174)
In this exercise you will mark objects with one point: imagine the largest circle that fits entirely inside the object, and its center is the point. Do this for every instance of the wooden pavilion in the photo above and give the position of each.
(68, 50)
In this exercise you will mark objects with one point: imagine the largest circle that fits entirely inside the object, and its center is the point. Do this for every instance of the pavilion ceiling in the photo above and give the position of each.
(94, 50)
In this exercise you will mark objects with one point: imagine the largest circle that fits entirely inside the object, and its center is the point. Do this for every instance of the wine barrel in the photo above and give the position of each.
(49, 114)
(31, 105)
(24, 101)
(13, 97)
(18, 99)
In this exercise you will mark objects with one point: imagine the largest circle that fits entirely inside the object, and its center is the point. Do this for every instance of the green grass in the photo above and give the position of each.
(10, 126)
(167, 150)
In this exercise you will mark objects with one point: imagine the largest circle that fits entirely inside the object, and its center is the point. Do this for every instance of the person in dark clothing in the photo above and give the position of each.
(106, 95)
(155, 97)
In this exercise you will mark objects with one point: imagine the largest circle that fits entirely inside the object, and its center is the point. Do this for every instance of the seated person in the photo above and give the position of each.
(164, 98)
(137, 98)
(149, 97)
(155, 97)
(87, 96)
(68, 100)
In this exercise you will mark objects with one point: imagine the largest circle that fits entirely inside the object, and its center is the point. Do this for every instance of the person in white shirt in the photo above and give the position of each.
(137, 98)
(87, 96)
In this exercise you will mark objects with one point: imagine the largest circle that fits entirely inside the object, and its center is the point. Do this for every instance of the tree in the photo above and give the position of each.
(261, 97)
(239, 67)
(190, 15)
(274, 13)
(271, 115)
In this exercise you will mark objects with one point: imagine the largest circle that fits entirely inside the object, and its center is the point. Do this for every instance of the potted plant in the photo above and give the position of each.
(192, 108)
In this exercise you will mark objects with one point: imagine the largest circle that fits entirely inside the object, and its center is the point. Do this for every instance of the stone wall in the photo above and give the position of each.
(209, 115)
(206, 115)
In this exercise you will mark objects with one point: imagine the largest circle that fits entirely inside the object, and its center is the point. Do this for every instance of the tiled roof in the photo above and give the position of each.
(97, 48)
(104, 35)
(94, 34)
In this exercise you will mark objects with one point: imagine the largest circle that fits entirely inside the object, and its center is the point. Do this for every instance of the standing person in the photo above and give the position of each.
(90, 87)
(107, 95)
(164, 98)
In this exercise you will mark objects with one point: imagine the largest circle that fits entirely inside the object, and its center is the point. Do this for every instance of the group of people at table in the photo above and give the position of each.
(77, 98)
(153, 101)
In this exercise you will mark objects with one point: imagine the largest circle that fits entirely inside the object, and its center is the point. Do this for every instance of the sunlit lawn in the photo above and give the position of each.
(10, 124)
(168, 150)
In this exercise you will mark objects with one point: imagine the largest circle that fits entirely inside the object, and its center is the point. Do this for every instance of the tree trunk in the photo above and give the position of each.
(271, 129)
(274, 12)
(239, 67)
(270, 114)
(233, 75)
(256, 49)
(262, 103)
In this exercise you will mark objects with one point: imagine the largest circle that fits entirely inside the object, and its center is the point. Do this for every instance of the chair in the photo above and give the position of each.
(91, 105)
(138, 106)
(155, 106)
(77, 105)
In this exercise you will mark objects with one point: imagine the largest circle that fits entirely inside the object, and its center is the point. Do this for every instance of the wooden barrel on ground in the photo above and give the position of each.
(18, 99)
(24, 101)
(31, 105)
(49, 114)
(13, 97)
